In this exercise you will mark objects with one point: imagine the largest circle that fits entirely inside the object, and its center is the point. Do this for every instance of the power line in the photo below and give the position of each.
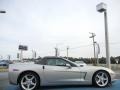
(78, 47)
(81, 46)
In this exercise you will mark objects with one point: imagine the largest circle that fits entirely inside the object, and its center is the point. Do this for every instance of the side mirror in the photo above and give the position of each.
(81, 65)
(68, 65)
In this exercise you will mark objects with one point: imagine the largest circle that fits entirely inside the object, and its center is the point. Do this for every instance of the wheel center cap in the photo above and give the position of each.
(29, 82)
(101, 78)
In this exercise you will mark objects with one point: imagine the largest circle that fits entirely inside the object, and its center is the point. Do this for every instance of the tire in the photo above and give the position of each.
(29, 81)
(101, 79)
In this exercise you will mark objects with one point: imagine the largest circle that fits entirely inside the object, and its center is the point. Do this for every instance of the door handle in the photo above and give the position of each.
(43, 67)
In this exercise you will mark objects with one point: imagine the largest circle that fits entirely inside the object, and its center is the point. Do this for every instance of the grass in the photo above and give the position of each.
(3, 69)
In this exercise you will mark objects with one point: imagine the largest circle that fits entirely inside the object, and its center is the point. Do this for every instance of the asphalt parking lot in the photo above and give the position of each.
(4, 85)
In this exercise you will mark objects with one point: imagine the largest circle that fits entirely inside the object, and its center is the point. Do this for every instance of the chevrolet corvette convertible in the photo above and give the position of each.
(58, 71)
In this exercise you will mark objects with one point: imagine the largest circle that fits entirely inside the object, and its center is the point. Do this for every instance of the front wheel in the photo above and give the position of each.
(29, 81)
(101, 79)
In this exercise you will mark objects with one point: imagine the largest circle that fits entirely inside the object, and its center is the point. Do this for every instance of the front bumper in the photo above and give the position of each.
(113, 75)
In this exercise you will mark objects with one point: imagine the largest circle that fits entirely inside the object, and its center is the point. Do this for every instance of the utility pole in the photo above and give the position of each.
(92, 36)
(67, 51)
(57, 51)
(97, 53)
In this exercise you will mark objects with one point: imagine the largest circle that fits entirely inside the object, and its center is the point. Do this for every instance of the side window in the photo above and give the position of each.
(60, 62)
(57, 62)
(51, 62)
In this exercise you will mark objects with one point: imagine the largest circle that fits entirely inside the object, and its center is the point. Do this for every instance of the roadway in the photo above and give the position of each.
(4, 85)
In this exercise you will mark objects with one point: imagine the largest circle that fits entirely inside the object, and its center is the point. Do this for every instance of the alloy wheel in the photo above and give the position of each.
(28, 82)
(101, 79)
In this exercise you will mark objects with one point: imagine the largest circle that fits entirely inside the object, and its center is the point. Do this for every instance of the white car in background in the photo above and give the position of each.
(80, 63)
(51, 71)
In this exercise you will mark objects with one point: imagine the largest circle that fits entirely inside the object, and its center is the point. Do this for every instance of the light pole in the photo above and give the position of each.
(2, 11)
(102, 7)
(18, 56)
(33, 54)
(67, 51)
(22, 48)
(56, 51)
(93, 35)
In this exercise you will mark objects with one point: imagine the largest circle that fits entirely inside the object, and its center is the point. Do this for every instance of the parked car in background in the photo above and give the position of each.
(80, 63)
(4, 63)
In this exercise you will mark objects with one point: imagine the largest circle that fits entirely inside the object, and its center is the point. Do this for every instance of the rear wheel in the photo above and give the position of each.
(29, 81)
(101, 79)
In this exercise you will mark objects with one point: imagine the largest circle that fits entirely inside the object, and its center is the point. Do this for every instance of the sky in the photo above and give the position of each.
(43, 25)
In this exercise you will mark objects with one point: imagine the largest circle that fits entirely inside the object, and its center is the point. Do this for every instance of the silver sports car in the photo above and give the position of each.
(58, 71)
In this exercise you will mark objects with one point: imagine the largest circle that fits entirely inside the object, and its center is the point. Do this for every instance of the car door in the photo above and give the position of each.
(56, 71)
